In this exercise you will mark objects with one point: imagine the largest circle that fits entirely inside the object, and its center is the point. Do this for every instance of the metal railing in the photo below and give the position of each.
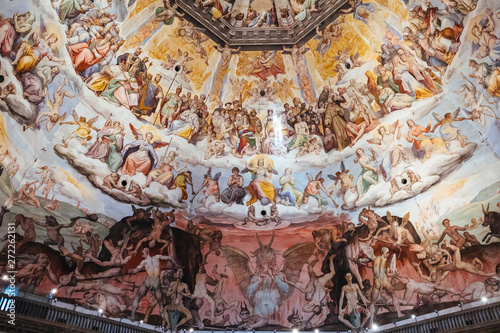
(54, 319)
(454, 321)
(30, 310)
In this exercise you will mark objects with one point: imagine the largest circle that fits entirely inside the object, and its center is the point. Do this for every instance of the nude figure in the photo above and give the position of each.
(12, 167)
(118, 258)
(52, 117)
(161, 221)
(452, 231)
(457, 264)
(27, 195)
(220, 303)
(35, 271)
(54, 230)
(352, 294)
(316, 291)
(381, 282)
(177, 291)
(397, 234)
(201, 291)
(152, 282)
(76, 281)
(27, 224)
(53, 205)
(226, 54)
(420, 288)
(49, 186)
(110, 304)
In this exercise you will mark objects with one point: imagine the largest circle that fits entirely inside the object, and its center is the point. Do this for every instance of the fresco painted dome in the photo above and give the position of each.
(252, 164)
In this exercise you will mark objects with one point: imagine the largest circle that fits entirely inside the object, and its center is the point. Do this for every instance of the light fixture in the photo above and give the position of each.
(142, 321)
(295, 330)
(316, 331)
(484, 299)
(412, 316)
(374, 327)
(53, 291)
(5, 277)
(191, 329)
(100, 310)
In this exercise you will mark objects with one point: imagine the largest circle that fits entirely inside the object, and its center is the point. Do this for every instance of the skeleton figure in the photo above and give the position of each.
(352, 294)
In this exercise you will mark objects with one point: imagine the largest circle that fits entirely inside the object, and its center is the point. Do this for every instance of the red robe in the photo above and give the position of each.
(82, 57)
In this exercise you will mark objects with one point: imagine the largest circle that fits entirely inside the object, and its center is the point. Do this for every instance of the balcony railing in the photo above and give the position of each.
(33, 316)
(44, 317)
(266, 37)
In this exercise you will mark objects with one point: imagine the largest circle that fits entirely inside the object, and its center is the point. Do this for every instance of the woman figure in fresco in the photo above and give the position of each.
(261, 167)
(163, 174)
(108, 145)
(423, 145)
(35, 85)
(140, 156)
(393, 152)
(288, 190)
(369, 172)
(485, 41)
(29, 55)
(406, 82)
(12, 29)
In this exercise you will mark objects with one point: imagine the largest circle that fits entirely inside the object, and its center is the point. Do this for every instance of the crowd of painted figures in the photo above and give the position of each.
(347, 252)
(337, 119)
(241, 15)
(364, 271)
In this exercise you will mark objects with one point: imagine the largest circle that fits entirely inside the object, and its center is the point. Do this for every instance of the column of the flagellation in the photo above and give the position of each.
(239, 7)
(284, 13)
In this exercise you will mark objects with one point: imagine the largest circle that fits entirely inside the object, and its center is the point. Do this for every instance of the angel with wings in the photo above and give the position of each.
(182, 59)
(211, 185)
(84, 128)
(342, 56)
(265, 66)
(52, 117)
(314, 188)
(470, 100)
(296, 52)
(393, 152)
(195, 36)
(285, 90)
(486, 43)
(341, 72)
(447, 130)
(238, 87)
(346, 181)
(226, 54)
(167, 13)
(348, 61)
(140, 156)
(327, 35)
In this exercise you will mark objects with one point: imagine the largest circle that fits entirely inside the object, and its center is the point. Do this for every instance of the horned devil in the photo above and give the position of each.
(267, 287)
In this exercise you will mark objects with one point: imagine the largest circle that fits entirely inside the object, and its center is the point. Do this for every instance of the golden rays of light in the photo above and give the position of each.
(166, 41)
